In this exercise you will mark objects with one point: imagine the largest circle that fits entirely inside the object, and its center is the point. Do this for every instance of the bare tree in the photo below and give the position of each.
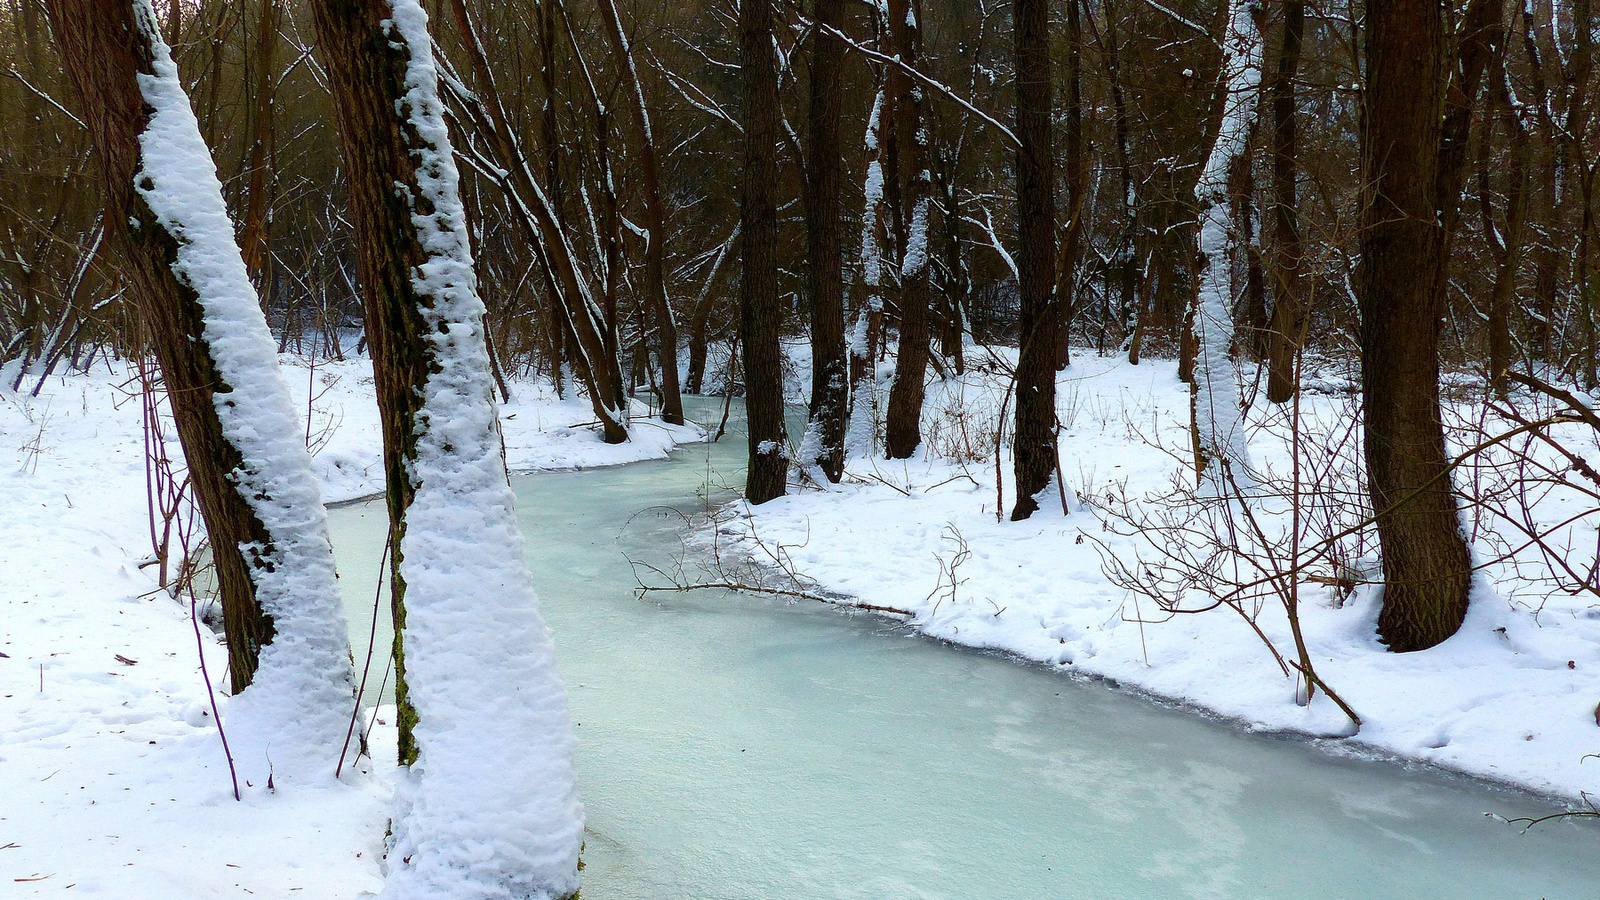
(537, 212)
(655, 275)
(760, 314)
(823, 445)
(1034, 447)
(903, 424)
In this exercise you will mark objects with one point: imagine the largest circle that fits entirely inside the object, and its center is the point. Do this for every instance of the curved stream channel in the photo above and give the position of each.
(742, 747)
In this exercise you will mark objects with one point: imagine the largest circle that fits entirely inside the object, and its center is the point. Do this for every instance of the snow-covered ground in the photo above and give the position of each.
(1512, 697)
(112, 777)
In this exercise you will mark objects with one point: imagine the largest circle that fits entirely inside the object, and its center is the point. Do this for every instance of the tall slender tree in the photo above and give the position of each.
(903, 424)
(1286, 328)
(655, 218)
(823, 445)
(1426, 569)
(1034, 448)
(759, 313)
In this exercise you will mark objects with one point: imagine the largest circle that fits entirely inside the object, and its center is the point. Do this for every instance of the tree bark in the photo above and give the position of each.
(1066, 298)
(1426, 568)
(1034, 447)
(760, 315)
(903, 424)
(830, 385)
(254, 240)
(105, 54)
(1512, 242)
(1289, 309)
(366, 70)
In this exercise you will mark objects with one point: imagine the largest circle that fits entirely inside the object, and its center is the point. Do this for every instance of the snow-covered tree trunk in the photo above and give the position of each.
(822, 447)
(240, 432)
(489, 807)
(903, 424)
(1218, 421)
(861, 438)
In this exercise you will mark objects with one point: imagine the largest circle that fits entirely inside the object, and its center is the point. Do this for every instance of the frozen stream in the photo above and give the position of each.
(738, 747)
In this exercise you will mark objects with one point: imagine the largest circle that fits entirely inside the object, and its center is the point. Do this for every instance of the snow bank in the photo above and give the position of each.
(1512, 697)
(112, 777)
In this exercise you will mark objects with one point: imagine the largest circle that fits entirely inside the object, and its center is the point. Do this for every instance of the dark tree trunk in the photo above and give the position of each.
(760, 315)
(655, 217)
(1034, 449)
(700, 320)
(1426, 569)
(557, 326)
(1127, 239)
(830, 388)
(903, 424)
(366, 70)
(1288, 324)
(956, 287)
(105, 52)
(1242, 198)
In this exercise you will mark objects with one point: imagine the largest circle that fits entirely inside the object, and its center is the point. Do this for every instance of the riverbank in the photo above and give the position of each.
(1511, 698)
(112, 777)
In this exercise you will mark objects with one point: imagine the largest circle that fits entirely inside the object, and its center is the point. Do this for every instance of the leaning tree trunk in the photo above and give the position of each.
(823, 445)
(903, 425)
(1034, 448)
(587, 326)
(466, 618)
(251, 473)
(1426, 569)
(760, 314)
